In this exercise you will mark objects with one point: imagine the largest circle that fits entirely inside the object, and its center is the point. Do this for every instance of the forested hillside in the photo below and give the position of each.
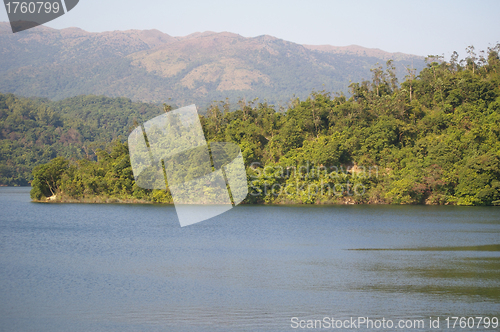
(433, 139)
(33, 131)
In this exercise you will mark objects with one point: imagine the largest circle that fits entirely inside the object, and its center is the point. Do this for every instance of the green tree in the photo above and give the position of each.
(47, 178)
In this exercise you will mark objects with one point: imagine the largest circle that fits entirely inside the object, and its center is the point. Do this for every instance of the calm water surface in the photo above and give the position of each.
(93, 267)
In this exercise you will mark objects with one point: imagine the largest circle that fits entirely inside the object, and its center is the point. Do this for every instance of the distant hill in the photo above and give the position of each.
(152, 66)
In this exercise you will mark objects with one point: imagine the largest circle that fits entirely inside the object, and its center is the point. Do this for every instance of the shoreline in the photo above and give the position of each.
(97, 200)
(116, 200)
(113, 200)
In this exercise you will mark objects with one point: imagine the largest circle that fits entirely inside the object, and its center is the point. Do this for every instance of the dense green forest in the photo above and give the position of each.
(34, 131)
(433, 139)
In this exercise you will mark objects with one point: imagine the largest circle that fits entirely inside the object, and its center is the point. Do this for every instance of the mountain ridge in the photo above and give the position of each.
(152, 66)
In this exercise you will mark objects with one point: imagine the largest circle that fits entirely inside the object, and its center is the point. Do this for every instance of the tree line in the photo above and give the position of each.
(433, 139)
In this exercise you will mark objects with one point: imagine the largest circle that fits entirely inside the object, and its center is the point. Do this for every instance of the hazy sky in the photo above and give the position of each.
(416, 27)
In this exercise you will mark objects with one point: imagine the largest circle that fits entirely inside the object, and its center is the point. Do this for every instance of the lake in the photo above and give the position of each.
(124, 267)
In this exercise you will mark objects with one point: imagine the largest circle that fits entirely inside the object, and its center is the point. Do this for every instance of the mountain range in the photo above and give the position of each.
(152, 66)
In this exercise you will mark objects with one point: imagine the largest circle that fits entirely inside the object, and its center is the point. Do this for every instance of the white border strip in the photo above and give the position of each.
(64, 6)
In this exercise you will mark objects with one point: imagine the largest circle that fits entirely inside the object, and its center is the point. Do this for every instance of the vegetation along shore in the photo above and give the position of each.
(433, 139)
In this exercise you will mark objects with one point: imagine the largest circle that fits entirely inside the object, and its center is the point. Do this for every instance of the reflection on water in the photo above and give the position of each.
(475, 277)
(486, 247)
(83, 267)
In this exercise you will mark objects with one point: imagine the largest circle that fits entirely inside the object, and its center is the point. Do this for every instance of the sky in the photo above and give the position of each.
(414, 27)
